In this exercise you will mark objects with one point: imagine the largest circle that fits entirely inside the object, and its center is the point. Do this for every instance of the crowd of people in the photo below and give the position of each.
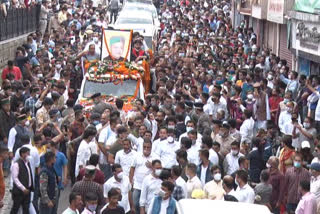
(226, 119)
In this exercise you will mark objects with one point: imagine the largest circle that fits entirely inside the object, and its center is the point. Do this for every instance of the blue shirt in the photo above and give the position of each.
(61, 161)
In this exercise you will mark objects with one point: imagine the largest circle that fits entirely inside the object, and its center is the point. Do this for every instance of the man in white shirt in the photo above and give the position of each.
(246, 129)
(244, 193)
(150, 186)
(163, 134)
(228, 186)
(84, 152)
(191, 126)
(167, 152)
(140, 168)
(215, 104)
(207, 143)
(125, 157)
(193, 182)
(315, 181)
(121, 181)
(75, 203)
(230, 163)
(285, 122)
(176, 172)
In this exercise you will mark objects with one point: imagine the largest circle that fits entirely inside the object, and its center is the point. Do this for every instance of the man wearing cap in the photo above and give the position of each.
(137, 53)
(8, 120)
(116, 48)
(88, 185)
(16, 133)
(315, 182)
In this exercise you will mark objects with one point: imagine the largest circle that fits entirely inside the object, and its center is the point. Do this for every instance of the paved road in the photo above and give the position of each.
(63, 201)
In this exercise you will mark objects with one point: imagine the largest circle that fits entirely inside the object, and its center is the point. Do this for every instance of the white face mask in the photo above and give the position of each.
(234, 152)
(170, 139)
(189, 129)
(95, 39)
(27, 123)
(217, 177)
(250, 96)
(58, 66)
(157, 172)
(161, 193)
(306, 125)
(171, 126)
(120, 175)
(268, 165)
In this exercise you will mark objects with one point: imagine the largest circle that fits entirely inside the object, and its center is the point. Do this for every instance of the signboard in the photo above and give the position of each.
(276, 11)
(306, 37)
(308, 6)
(116, 45)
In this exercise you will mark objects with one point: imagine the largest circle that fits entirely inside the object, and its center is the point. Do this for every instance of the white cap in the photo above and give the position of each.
(305, 144)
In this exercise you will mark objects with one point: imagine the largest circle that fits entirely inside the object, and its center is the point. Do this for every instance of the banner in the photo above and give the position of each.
(308, 6)
(116, 45)
(275, 11)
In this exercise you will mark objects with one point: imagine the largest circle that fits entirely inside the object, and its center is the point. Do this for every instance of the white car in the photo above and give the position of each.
(138, 21)
(205, 206)
(140, 6)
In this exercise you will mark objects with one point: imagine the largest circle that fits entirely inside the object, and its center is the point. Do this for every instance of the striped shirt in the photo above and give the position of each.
(293, 177)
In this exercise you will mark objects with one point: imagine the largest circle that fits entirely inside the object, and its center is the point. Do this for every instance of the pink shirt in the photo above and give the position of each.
(15, 174)
(307, 204)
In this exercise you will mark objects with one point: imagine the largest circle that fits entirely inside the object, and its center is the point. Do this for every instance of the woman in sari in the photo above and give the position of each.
(286, 154)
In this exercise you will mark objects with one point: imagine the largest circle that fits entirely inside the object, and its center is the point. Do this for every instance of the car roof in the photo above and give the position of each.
(140, 1)
(138, 14)
(205, 206)
(139, 5)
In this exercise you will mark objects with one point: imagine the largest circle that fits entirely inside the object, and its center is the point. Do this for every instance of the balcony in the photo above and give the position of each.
(259, 9)
(244, 7)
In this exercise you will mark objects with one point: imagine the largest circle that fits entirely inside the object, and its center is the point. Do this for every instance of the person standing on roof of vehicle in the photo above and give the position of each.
(114, 7)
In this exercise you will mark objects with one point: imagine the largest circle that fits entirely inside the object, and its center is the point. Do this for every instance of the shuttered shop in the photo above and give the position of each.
(284, 51)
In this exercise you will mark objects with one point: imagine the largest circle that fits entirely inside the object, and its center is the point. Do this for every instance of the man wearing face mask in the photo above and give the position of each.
(305, 133)
(49, 185)
(285, 118)
(230, 163)
(213, 189)
(121, 181)
(16, 133)
(293, 177)
(167, 151)
(163, 203)
(224, 139)
(150, 186)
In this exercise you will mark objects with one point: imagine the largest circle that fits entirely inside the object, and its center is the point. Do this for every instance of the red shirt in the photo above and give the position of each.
(15, 71)
(98, 178)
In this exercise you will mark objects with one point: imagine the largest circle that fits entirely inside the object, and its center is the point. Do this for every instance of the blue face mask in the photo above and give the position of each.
(96, 122)
(92, 207)
(296, 164)
(232, 72)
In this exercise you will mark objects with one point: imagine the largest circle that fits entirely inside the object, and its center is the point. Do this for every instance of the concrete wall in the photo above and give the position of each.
(8, 48)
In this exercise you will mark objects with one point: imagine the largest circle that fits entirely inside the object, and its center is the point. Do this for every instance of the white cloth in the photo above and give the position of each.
(125, 160)
(315, 186)
(150, 188)
(167, 153)
(246, 130)
(125, 187)
(230, 163)
(83, 155)
(163, 207)
(245, 194)
(213, 157)
(137, 142)
(12, 139)
(183, 184)
(70, 211)
(192, 184)
(141, 170)
(156, 143)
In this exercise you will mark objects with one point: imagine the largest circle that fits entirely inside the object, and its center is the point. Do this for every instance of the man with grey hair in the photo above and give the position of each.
(276, 180)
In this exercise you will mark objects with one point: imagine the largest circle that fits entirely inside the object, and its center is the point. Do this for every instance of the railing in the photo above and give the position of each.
(18, 21)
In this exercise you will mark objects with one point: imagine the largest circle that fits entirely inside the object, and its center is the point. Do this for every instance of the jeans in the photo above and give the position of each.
(136, 197)
(291, 208)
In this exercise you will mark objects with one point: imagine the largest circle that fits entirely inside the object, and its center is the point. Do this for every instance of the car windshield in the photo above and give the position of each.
(127, 88)
(134, 21)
